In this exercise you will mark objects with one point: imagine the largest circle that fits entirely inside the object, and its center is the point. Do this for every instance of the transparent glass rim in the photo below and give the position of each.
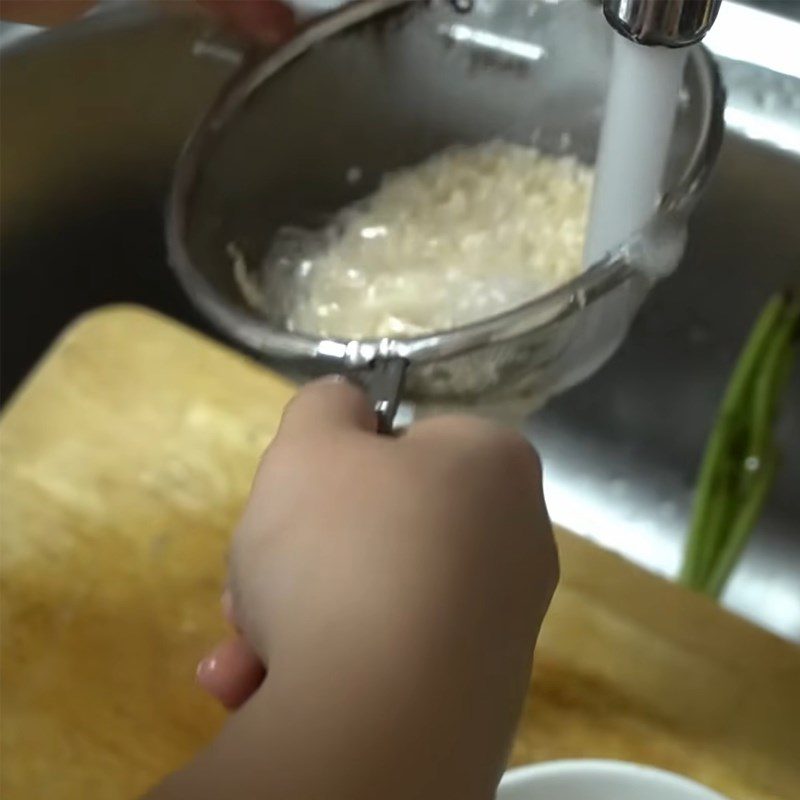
(258, 334)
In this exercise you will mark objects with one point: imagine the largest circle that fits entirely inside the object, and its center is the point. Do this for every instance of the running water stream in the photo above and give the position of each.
(634, 142)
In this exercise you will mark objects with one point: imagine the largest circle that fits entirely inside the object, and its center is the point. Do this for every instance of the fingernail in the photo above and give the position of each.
(206, 668)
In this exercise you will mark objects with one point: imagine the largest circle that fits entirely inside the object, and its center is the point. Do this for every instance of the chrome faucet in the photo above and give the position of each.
(669, 23)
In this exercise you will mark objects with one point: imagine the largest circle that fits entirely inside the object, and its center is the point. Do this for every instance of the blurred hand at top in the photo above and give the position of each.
(268, 21)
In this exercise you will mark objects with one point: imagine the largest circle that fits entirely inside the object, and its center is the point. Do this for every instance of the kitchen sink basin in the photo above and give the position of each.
(94, 115)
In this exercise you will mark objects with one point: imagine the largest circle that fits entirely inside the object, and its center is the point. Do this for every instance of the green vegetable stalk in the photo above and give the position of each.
(741, 459)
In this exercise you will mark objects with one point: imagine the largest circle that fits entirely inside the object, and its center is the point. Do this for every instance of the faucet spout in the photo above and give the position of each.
(668, 23)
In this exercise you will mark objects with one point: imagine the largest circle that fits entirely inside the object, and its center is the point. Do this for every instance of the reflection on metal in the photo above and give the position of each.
(213, 49)
(493, 41)
(757, 38)
(759, 56)
(761, 128)
(676, 23)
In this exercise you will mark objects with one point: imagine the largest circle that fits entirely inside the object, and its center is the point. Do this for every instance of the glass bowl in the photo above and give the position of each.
(383, 84)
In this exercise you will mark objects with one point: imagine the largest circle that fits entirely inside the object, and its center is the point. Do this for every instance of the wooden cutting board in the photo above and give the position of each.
(125, 461)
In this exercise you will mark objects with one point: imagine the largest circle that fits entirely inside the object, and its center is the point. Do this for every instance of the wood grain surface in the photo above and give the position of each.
(126, 458)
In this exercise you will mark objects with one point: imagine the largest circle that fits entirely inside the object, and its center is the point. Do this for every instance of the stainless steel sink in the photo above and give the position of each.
(621, 450)
(94, 114)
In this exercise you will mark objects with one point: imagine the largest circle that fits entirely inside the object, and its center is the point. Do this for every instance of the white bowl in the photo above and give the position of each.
(587, 779)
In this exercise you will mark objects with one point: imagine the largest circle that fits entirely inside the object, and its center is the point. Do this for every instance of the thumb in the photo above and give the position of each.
(331, 403)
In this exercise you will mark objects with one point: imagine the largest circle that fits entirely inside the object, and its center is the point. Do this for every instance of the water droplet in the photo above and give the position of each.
(752, 463)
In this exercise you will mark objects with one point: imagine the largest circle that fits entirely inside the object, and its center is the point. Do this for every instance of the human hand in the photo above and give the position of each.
(269, 21)
(411, 573)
